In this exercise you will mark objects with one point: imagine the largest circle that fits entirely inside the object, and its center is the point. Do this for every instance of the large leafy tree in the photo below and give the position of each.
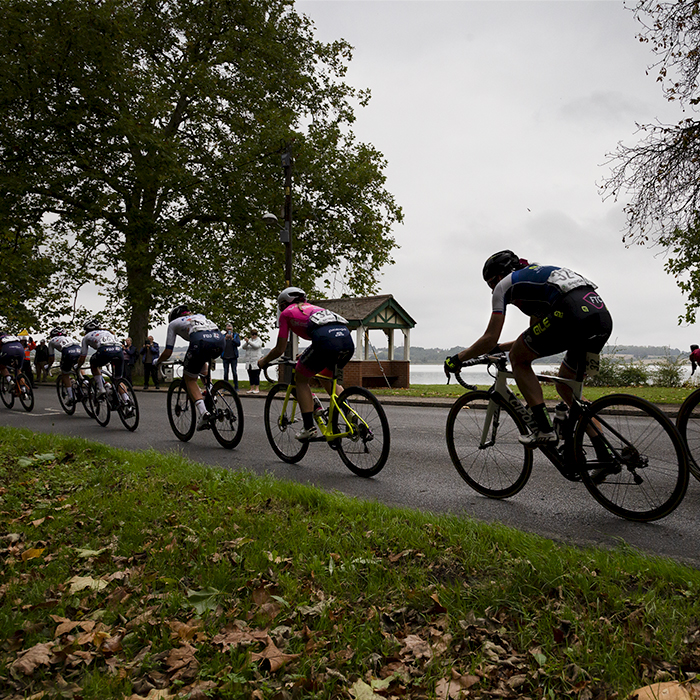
(661, 173)
(144, 138)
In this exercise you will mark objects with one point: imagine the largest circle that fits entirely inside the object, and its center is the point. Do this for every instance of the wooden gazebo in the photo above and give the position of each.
(365, 314)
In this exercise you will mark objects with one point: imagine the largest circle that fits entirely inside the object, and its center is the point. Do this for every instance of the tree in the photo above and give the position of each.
(662, 172)
(148, 133)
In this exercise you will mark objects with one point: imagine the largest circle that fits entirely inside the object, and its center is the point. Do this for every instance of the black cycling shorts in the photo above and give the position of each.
(12, 354)
(331, 346)
(69, 356)
(204, 346)
(109, 354)
(580, 323)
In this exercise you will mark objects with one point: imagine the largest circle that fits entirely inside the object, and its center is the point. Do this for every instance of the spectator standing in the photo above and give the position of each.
(28, 344)
(230, 354)
(130, 357)
(253, 352)
(41, 361)
(149, 355)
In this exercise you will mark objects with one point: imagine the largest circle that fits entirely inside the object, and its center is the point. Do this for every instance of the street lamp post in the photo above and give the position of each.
(286, 233)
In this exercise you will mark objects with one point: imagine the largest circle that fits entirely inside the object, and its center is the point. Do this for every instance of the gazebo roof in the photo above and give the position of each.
(382, 311)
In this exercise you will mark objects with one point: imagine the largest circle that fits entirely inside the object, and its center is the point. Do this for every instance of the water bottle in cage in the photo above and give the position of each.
(561, 413)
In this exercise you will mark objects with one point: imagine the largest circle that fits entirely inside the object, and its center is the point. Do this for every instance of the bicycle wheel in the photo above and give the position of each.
(688, 424)
(365, 452)
(482, 438)
(25, 392)
(281, 422)
(228, 413)
(62, 391)
(101, 409)
(128, 408)
(642, 472)
(7, 391)
(180, 411)
(82, 391)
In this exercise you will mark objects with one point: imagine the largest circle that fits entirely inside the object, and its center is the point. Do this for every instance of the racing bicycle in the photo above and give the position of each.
(80, 386)
(220, 399)
(354, 424)
(16, 385)
(688, 424)
(113, 399)
(626, 452)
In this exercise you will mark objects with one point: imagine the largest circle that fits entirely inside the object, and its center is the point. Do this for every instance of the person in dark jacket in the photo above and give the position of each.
(230, 354)
(149, 355)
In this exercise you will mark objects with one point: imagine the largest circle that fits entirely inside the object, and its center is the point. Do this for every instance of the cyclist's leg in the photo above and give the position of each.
(521, 357)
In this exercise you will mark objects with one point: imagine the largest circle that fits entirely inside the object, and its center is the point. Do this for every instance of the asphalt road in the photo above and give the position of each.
(418, 475)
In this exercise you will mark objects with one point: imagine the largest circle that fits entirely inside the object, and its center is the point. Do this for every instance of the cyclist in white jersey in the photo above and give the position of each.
(207, 343)
(69, 348)
(108, 350)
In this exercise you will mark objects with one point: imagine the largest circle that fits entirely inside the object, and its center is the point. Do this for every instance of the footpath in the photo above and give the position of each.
(671, 410)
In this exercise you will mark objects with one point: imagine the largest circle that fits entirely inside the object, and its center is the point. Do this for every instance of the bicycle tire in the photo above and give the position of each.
(364, 453)
(83, 391)
(280, 424)
(180, 411)
(101, 409)
(499, 469)
(129, 411)
(227, 425)
(25, 392)
(652, 477)
(7, 391)
(688, 424)
(63, 397)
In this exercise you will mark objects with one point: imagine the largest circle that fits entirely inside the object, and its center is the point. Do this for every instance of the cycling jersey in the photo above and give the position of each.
(331, 342)
(97, 340)
(185, 326)
(536, 289)
(68, 347)
(60, 343)
(568, 314)
(11, 351)
(207, 342)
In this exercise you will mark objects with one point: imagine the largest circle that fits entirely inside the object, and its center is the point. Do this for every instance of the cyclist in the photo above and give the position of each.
(331, 346)
(69, 348)
(694, 358)
(207, 343)
(566, 314)
(11, 352)
(108, 350)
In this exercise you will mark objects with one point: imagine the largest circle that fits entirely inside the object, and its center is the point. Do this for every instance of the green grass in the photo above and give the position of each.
(124, 572)
(661, 395)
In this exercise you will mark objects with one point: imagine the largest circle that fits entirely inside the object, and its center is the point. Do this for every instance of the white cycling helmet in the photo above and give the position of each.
(291, 295)
(92, 325)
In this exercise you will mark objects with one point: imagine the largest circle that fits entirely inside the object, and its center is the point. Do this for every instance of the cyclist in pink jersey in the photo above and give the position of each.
(331, 346)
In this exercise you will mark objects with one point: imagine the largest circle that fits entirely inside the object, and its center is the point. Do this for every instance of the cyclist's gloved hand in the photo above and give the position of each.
(453, 365)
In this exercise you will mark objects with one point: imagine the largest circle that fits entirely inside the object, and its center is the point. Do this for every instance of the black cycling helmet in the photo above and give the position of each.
(92, 324)
(290, 295)
(178, 311)
(499, 265)
(54, 332)
(694, 347)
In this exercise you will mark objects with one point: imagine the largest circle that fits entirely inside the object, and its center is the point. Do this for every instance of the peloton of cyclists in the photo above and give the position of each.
(331, 346)
(566, 314)
(69, 348)
(108, 351)
(206, 343)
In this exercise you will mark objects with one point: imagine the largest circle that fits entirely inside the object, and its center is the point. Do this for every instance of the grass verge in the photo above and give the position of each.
(133, 575)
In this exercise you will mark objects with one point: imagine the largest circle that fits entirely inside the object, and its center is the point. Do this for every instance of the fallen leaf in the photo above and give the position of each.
(273, 656)
(80, 583)
(671, 690)
(361, 691)
(31, 554)
(27, 662)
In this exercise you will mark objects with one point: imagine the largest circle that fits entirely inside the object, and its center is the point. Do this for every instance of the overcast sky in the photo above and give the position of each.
(496, 118)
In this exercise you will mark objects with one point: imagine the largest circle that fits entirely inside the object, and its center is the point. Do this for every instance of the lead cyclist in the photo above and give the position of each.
(566, 314)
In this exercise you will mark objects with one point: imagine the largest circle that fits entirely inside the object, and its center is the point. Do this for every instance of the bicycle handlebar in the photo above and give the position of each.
(486, 359)
(279, 361)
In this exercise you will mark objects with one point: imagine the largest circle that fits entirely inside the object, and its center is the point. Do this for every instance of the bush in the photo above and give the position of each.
(669, 372)
(618, 373)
